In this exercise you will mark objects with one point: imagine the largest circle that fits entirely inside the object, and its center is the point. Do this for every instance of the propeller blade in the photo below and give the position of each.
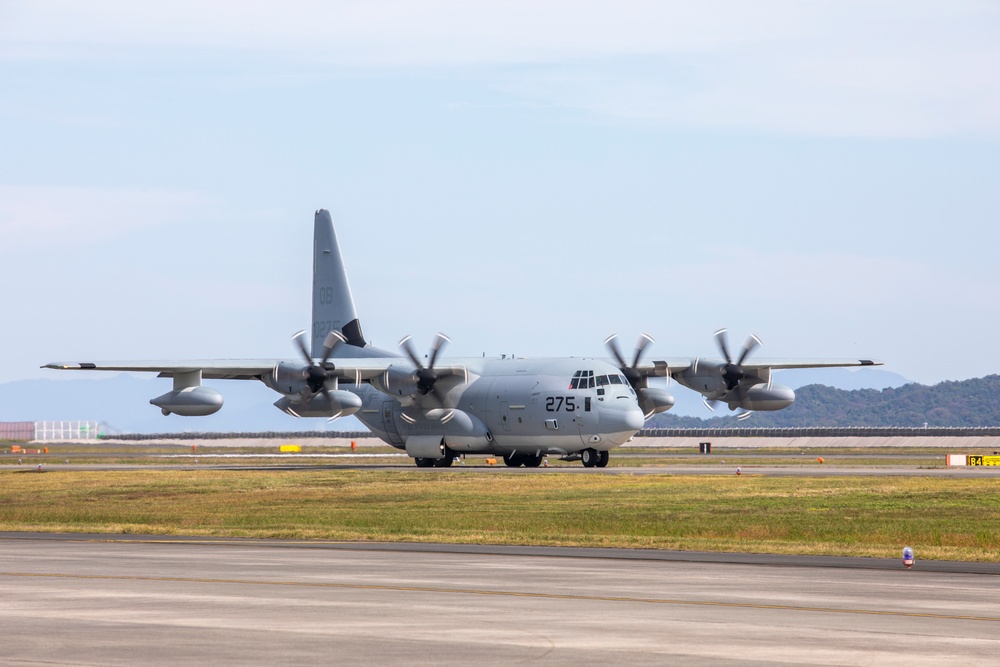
(611, 343)
(640, 346)
(326, 394)
(752, 342)
(299, 340)
(439, 342)
(335, 417)
(408, 348)
(744, 415)
(720, 338)
(332, 340)
(709, 404)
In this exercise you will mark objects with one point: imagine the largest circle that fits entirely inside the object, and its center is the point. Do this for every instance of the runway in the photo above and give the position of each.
(117, 600)
(720, 469)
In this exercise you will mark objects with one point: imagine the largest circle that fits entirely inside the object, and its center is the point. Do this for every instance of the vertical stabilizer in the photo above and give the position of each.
(333, 305)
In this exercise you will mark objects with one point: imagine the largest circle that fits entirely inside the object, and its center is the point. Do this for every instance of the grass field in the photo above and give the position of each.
(954, 519)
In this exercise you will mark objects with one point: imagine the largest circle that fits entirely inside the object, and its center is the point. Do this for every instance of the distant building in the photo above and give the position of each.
(19, 431)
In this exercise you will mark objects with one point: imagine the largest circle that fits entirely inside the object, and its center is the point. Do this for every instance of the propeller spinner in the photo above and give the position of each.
(426, 375)
(316, 374)
(732, 372)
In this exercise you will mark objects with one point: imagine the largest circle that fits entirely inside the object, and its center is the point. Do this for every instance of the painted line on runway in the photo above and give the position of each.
(521, 594)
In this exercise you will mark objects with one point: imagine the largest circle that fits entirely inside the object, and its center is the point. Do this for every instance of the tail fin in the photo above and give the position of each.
(333, 305)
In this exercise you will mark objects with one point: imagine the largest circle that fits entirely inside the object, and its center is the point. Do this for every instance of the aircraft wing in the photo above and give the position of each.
(779, 364)
(679, 364)
(229, 369)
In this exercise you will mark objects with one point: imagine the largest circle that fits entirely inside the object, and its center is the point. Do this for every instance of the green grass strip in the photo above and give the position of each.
(952, 519)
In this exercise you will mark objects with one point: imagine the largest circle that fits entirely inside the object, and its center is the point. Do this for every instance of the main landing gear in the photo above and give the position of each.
(593, 458)
(434, 463)
(515, 460)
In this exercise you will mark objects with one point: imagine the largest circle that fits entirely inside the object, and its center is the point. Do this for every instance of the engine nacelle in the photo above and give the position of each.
(762, 397)
(286, 378)
(396, 381)
(344, 402)
(189, 402)
(653, 400)
(704, 378)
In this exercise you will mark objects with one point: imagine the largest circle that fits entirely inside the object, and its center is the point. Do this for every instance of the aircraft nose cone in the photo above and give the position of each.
(621, 418)
(634, 419)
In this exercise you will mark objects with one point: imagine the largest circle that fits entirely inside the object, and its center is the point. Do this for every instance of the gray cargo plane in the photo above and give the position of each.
(434, 409)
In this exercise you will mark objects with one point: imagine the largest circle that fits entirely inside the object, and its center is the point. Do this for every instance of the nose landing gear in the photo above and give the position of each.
(593, 458)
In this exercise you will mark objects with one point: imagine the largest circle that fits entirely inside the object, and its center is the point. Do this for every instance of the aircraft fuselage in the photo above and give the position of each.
(529, 406)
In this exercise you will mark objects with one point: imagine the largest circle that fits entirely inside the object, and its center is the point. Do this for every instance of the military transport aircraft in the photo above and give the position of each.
(522, 409)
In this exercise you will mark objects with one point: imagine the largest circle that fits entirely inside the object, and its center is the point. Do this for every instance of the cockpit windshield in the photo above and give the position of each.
(582, 380)
(587, 380)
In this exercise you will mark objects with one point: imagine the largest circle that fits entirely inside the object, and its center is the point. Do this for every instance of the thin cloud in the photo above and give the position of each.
(881, 69)
(59, 216)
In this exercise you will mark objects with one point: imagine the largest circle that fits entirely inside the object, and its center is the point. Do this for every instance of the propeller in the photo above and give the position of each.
(732, 373)
(631, 372)
(426, 375)
(316, 374)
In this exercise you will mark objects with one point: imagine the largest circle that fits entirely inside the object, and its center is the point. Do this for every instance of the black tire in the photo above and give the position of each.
(602, 459)
(443, 463)
(423, 463)
(531, 461)
(513, 460)
(589, 457)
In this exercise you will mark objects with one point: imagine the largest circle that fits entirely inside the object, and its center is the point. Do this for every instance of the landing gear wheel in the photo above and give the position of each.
(423, 463)
(602, 459)
(513, 460)
(589, 457)
(443, 463)
(531, 461)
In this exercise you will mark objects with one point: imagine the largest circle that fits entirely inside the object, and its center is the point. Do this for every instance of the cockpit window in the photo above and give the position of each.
(617, 379)
(602, 380)
(582, 380)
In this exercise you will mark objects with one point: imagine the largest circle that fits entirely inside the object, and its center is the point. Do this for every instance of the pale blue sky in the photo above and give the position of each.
(526, 177)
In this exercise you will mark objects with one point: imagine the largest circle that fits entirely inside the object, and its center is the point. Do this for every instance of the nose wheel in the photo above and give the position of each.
(594, 459)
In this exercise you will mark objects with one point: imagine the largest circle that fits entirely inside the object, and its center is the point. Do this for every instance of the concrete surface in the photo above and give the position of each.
(85, 600)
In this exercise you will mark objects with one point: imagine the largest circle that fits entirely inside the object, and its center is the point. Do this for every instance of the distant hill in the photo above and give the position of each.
(974, 402)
